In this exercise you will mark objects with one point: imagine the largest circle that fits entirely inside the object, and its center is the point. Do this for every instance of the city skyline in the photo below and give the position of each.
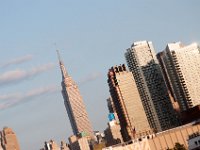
(92, 37)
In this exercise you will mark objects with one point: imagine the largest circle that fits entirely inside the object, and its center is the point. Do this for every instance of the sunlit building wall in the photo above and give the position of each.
(127, 102)
(112, 133)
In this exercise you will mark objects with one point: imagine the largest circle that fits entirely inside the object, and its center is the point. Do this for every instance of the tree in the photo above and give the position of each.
(179, 146)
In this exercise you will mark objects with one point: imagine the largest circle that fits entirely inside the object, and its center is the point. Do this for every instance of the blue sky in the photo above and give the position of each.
(92, 36)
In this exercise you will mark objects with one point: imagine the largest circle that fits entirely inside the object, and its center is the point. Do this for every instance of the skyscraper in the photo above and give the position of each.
(142, 62)
(182, 72)
(74, 104)
(8, 139)
(127, 102)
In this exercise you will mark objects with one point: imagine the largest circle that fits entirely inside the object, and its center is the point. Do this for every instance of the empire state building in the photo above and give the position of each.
(74, 104)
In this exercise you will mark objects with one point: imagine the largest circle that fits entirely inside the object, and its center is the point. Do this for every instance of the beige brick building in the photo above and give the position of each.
(127, 102)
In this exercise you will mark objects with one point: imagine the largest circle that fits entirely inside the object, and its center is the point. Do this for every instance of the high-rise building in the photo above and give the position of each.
(181, 69)
(74, 104)
(142, 62)
(127, 102)
(8, 139)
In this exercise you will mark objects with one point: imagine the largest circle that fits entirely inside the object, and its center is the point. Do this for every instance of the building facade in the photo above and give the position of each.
(127, 102)
(112, 110)
(78, 143)
(74, 104)
(182, 73)
(142, 62)
(165, 140)
(8, 139)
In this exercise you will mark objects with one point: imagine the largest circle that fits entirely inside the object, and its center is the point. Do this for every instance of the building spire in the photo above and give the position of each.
(62, 67)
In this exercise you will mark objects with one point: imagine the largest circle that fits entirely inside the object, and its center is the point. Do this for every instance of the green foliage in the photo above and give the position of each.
(178, 146)
(99, 146)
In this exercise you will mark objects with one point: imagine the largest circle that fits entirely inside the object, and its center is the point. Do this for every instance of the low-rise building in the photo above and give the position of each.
(112, 133)
(78, 143)
(163, 140)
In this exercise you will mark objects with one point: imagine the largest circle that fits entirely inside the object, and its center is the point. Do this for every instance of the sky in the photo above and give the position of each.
(92, 36)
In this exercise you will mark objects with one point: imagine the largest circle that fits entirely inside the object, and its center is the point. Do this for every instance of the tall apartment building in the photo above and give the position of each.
(8, 139)
(142, 62)
(127, 102)
(181, 68)
(74, 104)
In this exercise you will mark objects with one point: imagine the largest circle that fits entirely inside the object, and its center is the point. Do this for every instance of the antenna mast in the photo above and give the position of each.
(62, 67)
(59, 58)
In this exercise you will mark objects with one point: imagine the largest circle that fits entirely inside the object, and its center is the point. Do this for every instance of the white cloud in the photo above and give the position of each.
(17, 60)
(19, 75)
(90, 77)
(9, 96)
(9, 100)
